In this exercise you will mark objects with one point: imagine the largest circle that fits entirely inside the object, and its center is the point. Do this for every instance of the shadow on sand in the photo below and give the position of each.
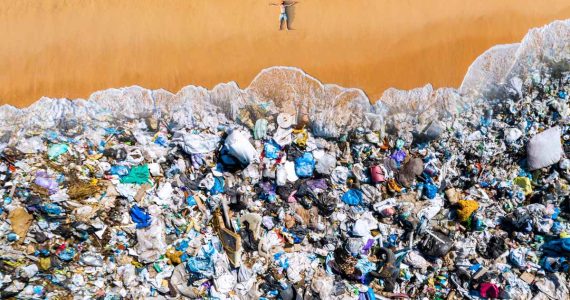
(291, 16)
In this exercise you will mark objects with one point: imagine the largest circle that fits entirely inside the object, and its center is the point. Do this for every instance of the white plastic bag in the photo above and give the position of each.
(544, 149)
(325, 163)
(239, 147)
(196, 143)
(151, 241)
(281, 176)
(290, 168)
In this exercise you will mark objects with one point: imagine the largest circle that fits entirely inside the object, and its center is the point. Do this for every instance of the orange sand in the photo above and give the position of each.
(70, 48)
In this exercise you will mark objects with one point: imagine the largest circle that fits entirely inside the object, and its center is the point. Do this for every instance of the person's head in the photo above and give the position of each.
(283, 2)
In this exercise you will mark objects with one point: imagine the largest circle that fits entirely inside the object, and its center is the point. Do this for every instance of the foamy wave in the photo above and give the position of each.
(541, 47)
(332, 109)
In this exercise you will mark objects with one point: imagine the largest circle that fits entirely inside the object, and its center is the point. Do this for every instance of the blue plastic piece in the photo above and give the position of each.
(271, 149)
(555, 248)
(52, 209)
(119, 170)
(182, 245)
(305, 165)
(161, 141)
(12, 237)
(67, 254)
(140, 217)
(430, 190)
(352, 197)
(190, 201)
(218, 186)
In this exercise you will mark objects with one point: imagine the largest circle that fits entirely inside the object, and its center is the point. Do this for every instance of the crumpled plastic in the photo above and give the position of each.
(137, 175)
(239, 147)
(140, 217)
(544, 149)
(55, 150)
(196, 143)
(305, 165)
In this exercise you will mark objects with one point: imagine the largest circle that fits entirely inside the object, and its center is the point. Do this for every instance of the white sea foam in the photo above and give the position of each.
(332, 109)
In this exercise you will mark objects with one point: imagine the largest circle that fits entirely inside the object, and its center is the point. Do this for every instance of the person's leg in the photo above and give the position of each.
(285, 20)
(280, 22)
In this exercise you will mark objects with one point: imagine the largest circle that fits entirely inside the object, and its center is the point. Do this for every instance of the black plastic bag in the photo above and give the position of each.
(435, 244)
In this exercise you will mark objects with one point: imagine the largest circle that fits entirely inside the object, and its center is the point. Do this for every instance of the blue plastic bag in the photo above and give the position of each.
(556, 248)
(268, 191)
(365, 266)
(227, 159)
(172, 171)
(140, 217)
(119, 170)
(281, 260)
(52, 209)
(218, 186)
(202, 264)
(12, 237)
(517, 257)
(190, 201)
(305, 165)
(67, 254)
(182, 245)
(430, 190)
(352, 197)
(555, 264)
(56, 150)
(161, 141)
(271, 149)
(199, 265)
(370, 294)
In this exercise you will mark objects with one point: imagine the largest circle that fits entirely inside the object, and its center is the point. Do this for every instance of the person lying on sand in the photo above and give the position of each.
(283, 16)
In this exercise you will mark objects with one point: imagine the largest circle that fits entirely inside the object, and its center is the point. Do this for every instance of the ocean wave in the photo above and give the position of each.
(330, 109)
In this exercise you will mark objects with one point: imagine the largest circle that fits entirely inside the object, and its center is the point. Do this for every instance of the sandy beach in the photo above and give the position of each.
(72, 48)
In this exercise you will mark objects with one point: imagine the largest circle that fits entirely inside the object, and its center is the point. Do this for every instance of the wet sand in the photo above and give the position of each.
(75, 47)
